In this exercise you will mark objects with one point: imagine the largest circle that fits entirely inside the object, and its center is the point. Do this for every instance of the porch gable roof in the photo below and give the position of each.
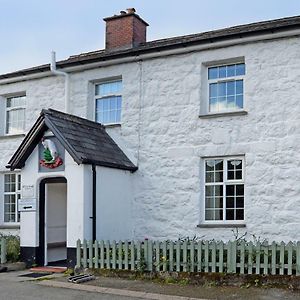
(86, 141)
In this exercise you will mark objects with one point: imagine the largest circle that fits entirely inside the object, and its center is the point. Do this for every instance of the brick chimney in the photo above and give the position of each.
(124, 31)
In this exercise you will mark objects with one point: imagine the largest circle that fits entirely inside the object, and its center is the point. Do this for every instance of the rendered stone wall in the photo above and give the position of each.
(161, 129)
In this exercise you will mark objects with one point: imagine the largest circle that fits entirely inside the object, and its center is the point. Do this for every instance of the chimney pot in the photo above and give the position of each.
(131, 10)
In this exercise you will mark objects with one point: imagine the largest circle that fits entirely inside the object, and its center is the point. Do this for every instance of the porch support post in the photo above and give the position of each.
(94, 202)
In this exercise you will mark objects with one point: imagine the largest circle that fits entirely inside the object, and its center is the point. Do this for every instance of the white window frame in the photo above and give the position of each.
(98, 97)
(16, 193)
(9, 109)
(225, 79)
(224, 183)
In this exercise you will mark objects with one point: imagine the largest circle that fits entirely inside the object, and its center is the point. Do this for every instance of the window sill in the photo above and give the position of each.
(112, 125)
(223, 114)
(232, 225)
(10, 226)
(11, 136)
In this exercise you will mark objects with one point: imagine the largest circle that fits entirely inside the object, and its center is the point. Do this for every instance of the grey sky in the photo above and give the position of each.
(30, 29)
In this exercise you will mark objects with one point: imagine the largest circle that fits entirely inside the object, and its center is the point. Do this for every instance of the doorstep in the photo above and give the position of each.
(48, 269)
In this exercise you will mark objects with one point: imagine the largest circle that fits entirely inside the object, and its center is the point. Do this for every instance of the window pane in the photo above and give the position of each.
(240, 214)
(240, 190)
(213, 73)
(230, 175)
(219, 165)
(239, 101)
(238, 175)
(209, 177)
(230, 70)
(230, 87)
(222, 72)
(229, 214)
(108, 88)
(219, 214)
(209, 191)
(230, 190)
(219, 190)
(231, 102)
(239, 87)
(240, 69)
(210, 164)
(229, 202)
(240, 202)
(209, 215)
(221, 89)
(219, 176)
(218, 202)
(209, 202)
(15, 121)
(213, 90)
(108, 110)
(213, 104)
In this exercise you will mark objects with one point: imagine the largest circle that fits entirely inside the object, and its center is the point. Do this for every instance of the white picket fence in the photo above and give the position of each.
(190, 256)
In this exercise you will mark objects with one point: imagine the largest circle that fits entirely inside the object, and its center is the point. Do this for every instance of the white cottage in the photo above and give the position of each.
(199, 136)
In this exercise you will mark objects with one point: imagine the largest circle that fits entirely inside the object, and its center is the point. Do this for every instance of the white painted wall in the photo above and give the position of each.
(114, 204)
(79, 184)
(29, 232)
(173, 139)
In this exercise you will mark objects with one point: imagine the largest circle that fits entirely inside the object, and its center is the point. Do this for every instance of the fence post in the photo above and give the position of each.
(90, 261)
(298, 259)
(78, 254)
(84, 245)
(231, 257)
(150, 255)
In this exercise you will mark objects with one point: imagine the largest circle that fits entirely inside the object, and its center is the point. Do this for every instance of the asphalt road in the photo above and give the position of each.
(13, 287)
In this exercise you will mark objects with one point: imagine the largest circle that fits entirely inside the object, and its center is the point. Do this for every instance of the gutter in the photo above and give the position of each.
(159, 52)
(54, 71)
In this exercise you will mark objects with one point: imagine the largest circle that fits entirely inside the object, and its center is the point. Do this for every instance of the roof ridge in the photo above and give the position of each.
(76, 119)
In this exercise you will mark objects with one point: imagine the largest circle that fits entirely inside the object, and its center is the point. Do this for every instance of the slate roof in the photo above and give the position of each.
(230, 33)
(86, 141)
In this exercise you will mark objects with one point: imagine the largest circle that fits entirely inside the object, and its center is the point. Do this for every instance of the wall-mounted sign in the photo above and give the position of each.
(27, 191)
(51, 155)
(27, 204)
(51, 158)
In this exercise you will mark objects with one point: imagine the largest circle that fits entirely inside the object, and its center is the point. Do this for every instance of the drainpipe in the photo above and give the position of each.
(67, 79)
(94, 196)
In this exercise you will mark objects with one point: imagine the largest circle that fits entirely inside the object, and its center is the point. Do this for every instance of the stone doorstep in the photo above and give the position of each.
(113, 291)
(48, 269)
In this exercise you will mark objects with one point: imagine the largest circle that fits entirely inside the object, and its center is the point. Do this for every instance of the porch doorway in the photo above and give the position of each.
(53, 225)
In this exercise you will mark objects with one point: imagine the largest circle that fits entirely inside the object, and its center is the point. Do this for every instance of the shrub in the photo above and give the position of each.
(12, 247)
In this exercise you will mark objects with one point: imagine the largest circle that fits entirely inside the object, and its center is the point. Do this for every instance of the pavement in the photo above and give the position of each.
(57, 287)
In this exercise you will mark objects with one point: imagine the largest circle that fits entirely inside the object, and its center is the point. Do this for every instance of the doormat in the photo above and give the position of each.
(35, 275)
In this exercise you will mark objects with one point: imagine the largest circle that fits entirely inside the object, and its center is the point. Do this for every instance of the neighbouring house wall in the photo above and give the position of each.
(161, 102)
(114, 204)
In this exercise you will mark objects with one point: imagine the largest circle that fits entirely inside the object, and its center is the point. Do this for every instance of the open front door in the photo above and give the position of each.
(54, 213)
